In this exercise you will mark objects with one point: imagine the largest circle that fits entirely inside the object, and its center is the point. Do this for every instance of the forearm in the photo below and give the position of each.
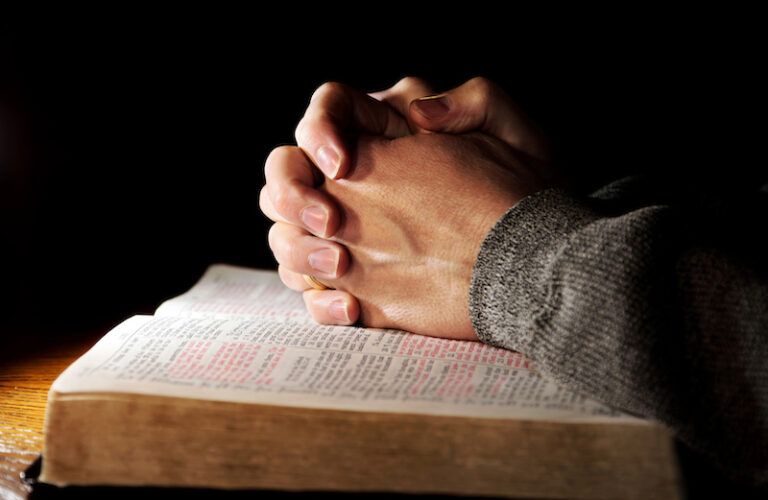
(629, 310)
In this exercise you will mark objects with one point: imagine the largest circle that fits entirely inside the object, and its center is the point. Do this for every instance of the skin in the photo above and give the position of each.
(391, 268)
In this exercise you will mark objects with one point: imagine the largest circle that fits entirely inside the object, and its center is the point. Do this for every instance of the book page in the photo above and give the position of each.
(228, 291)
(270, 362)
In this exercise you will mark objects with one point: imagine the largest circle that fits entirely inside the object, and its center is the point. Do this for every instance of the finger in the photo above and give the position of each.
(291, 181)
(334, 110)
(332, 307)
(265, 204)
(480, 104)
(294, 281)
(400, 95)
(303, 253)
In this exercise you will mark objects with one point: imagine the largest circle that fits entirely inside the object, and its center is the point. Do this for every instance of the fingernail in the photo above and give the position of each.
(315, 218)
(328, 160)
(432, 106)
(325, 261)
(338, 310)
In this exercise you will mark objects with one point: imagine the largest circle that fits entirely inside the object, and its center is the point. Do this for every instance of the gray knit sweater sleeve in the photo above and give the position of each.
(638, 308)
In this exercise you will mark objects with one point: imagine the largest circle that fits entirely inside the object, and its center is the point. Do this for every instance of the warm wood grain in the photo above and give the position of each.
(25, 377)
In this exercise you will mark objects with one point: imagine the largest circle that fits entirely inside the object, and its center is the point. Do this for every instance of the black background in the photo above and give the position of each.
(132, 143)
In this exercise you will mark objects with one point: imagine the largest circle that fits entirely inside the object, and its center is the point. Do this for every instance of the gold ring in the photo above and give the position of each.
(314, 282)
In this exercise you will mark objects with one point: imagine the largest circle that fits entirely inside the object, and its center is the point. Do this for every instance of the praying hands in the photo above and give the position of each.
(396, 222)
(443, 215)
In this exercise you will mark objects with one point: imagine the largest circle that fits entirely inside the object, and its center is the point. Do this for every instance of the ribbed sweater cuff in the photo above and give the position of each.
(510, 284)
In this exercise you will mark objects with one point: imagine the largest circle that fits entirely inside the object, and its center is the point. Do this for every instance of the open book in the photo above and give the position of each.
(232, 385)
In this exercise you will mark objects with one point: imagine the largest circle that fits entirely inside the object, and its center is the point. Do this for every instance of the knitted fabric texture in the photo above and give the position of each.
(639, 305)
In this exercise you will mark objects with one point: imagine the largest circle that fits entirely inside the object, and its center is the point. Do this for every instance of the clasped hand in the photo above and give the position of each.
(388, 196)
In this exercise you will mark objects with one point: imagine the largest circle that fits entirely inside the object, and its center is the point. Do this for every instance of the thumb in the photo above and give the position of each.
(480, 104)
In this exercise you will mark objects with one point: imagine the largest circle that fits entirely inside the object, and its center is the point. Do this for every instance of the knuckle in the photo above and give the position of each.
(263, 200)
(296, 254)
(300, 130)
(306, 129)
(282, 200)
(328, 88)
(282, 247)
(272, 237)
(276, 157)
(409, 82)
(285, 276)
(281, 272)
(483, 87)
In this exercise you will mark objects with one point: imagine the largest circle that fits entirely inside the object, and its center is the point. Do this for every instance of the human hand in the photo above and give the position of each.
(336, 115)
(415, 211)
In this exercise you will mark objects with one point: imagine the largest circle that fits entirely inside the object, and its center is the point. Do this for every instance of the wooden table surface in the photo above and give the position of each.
(25, 376)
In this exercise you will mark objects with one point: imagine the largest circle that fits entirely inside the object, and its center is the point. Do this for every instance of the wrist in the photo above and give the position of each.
(509, 285)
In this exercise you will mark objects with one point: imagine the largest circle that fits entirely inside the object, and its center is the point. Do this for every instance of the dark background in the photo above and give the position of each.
(132, 144)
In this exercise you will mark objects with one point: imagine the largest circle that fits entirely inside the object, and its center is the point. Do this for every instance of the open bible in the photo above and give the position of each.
(232, 385)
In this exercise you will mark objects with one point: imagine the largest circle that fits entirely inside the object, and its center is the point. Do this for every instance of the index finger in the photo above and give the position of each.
(335, 110)
(293, 197)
